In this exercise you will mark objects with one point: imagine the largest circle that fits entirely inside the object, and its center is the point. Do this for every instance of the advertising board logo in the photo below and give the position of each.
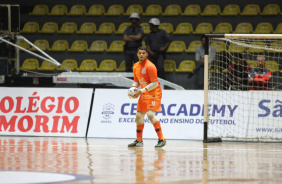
(108, 111)
(275, 110)
(35, 80)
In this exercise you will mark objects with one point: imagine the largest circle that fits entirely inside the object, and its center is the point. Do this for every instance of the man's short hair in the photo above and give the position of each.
(261, 56)
(203, 36)
(142, 48)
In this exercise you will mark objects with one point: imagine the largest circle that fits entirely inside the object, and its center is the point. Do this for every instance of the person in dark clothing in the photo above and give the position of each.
(133, 35)
(260, 77)
(237, 74)
(157, 43)
(199, 58)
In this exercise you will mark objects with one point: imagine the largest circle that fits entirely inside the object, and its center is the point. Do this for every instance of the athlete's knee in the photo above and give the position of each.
(140, 118)
(152, 116)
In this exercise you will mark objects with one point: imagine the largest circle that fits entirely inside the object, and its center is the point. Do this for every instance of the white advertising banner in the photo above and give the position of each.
(246, 114)
(241, 114)
(265, 115)
(113, 115)
(44, 111)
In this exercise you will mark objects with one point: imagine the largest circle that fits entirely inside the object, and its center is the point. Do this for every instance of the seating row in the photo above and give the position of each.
(109, 65)
(77, 46)
(156, 10)
(175, 46)
(87, 65)
(182, 28)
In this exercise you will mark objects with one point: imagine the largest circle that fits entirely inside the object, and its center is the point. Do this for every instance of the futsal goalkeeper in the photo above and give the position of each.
(149, 102)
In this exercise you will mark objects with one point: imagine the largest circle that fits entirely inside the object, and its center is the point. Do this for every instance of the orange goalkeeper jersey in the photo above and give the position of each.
(145, 73)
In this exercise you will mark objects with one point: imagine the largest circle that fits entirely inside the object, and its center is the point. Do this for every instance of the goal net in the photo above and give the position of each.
(243, 86)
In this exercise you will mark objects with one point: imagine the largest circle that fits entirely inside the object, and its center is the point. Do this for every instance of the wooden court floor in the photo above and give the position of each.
(93, 160)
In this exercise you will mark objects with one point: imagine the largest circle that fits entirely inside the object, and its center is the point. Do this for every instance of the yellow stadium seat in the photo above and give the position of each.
(78, 46)
(71, 64)
(256, 50)
(42, 44)
(58, 10)
(30, 64)
(203, 28)
(223, 28)
(172, 10)
(49, 28)
(192, 10)
(146, 27)
(251, 10)
(121, 67)
(116, 46)
(271, 9)
(77, 10)
(211, 10)
(168, 27)
(87, 28)
(272, 66)
(244, 28)
(183, 28)
(106, 28)
(115, 10)
(193, 46)
(96, 10)
(169, 66)
(186, 66)
(98, 46)
(236, 48)
(278, 29)
(264, 28)
(176, 46)
(68, 28)
(231, 10)
(219, 46)
(30, 27)
(253, 64)
(88, 65)
(24, 44)
(60, 46)
(153, 10)
(143, 43)
(40, 9)
(277, 45)
(134, 8)
(122, 27)
(107, 65)
(48, 66)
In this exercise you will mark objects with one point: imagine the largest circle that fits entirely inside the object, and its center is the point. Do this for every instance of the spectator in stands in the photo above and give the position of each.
(259, 77)
(237, 74)
(199, 58)
(157, 43)
(133, 35)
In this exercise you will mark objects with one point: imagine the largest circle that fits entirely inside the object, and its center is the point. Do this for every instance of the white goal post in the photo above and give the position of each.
(243, 88)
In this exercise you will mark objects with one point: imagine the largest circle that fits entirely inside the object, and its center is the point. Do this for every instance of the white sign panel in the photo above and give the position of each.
(240, 114)
(265, 117)
(113, 115)
(44, 111)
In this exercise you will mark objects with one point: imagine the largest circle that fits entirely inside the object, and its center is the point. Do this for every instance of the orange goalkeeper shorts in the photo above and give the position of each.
(146, 103)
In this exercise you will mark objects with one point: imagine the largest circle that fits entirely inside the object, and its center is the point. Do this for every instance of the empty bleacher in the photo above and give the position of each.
(98, 25)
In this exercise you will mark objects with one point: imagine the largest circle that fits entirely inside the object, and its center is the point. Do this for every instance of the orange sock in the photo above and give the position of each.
(158, 129)
(139, 132)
